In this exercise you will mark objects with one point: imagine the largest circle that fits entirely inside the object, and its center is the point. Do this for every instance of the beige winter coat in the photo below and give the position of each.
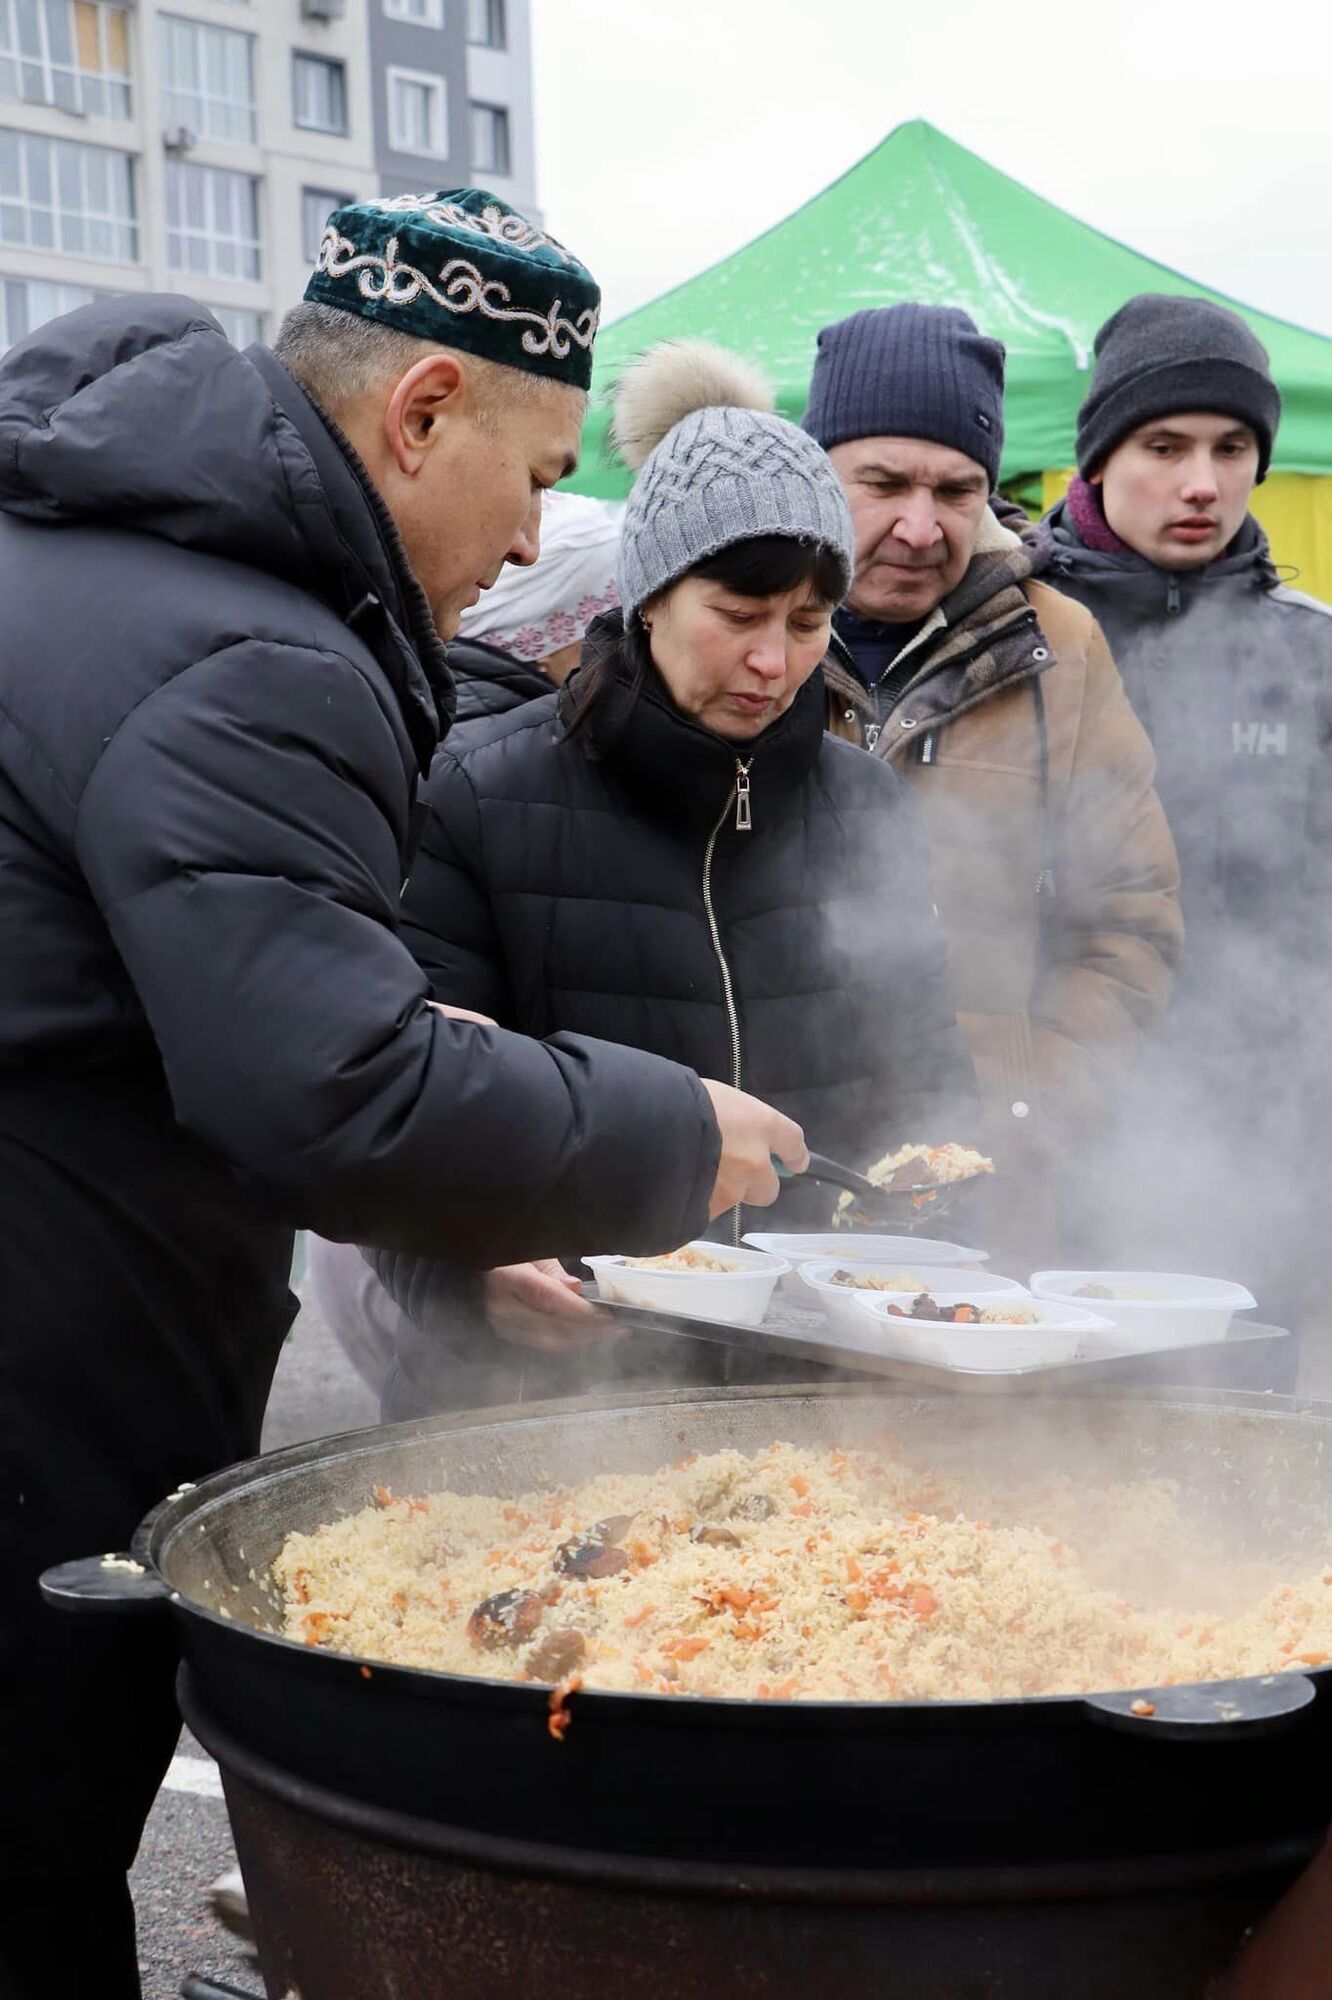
(1054, 870)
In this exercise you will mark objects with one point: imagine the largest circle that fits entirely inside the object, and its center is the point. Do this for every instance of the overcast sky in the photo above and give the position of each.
(669, 132)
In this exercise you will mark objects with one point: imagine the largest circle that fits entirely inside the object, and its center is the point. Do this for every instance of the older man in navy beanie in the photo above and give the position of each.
(1230, 670)
(1054, 870)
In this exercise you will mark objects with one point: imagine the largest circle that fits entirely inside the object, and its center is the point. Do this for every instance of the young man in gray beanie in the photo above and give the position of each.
(1053, 867)
(1231, 673)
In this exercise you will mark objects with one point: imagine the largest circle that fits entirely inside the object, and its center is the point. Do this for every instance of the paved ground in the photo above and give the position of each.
(187, 1844)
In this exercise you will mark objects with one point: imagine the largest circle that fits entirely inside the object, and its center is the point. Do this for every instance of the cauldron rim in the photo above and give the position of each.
(158, 1531)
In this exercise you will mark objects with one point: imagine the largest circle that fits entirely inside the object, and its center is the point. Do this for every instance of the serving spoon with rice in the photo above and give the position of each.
(874, 1204)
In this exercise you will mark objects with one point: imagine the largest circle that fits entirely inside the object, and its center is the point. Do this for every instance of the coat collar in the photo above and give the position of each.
(1247, 561)
(684, 773)
(359, 566)
(983, 637)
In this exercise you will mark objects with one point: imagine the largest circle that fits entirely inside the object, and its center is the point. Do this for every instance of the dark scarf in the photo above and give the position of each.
(873, 643)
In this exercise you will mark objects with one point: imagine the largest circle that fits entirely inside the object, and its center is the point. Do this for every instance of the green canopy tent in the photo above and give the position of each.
(923, 218)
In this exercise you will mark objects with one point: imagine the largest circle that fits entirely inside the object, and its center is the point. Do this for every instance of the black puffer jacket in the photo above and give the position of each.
(489, 681)
(218, 681)
(600, 884)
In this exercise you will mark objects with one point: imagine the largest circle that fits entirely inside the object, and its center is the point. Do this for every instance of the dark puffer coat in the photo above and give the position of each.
(600, 883)
(218, 683)
(489, 681)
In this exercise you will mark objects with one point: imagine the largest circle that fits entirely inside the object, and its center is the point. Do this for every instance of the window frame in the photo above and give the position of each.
(438, 85)
(124, 227)
(209, 233)
(252, 313)
(503, 124)
(334, 200)
(497, 25)
(219, 111)
(432, 18)
(307, 61)
(111, 81)
(8, 337)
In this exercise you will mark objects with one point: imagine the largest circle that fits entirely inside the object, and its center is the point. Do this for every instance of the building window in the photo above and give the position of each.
(317, 204)
(418, 118)
(27, 303)
(208, 81)
(490, 139)
(241, 328)
(318, 94)
(212, 222)
(485, 24)
(58, 195)
(426, 13)
(73, 54)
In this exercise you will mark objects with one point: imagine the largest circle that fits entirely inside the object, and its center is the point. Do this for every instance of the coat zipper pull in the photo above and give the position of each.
(1172, 596)
(744, 817)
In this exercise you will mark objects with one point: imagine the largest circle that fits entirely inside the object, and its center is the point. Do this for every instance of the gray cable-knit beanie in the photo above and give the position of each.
(713, 470)
(1161, 354)
(910, 371)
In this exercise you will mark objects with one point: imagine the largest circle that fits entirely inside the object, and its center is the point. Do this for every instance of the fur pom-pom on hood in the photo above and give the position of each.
(668, 383)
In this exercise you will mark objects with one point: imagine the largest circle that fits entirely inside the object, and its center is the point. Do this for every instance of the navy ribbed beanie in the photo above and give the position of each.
(910, 371)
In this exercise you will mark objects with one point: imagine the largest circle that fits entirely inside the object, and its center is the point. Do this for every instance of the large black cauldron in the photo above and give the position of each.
(406, 1833)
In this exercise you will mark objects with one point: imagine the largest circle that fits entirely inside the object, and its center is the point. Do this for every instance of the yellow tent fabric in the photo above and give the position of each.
(1296, 510)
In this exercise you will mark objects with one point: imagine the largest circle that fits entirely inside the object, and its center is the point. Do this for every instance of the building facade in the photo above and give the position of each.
(198, 145)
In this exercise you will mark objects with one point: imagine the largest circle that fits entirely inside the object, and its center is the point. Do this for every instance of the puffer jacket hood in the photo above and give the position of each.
(138, 413)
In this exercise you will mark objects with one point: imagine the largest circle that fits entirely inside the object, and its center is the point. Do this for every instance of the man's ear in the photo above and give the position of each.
(432, 390)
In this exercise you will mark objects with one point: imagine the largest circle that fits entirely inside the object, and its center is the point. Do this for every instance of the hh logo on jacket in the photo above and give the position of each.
(1259, 739)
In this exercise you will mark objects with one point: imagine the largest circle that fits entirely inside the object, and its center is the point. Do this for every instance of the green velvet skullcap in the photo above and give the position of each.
(463, 268)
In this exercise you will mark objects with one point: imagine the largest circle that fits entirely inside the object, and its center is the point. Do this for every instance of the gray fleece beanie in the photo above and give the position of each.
(1161, 354)
(714, 470)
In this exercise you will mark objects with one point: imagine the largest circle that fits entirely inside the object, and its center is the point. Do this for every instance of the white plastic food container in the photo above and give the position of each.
(856, 1246)
(1056, 1337)
(739, 1296)
(841, 1301)
(1177, 1310)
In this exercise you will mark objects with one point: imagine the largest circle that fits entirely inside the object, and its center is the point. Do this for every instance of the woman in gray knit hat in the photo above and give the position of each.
(671, 853)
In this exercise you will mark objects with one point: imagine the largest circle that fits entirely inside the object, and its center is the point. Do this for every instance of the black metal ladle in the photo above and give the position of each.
(899, 1205)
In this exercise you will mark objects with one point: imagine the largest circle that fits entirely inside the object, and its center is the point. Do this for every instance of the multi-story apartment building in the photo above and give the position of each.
(198, 145)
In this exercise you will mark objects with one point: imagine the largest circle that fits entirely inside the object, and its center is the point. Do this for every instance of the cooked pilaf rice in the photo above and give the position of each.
(818, 1574)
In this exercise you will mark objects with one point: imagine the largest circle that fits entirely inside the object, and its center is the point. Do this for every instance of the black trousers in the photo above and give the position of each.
(54, 1937)
(140, 1319)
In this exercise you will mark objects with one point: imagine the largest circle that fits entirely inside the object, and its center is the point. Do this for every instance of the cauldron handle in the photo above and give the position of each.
(114, 1583)
(1204, 1711)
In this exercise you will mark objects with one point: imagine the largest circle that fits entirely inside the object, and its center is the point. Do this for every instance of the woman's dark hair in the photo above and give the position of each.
(762, 566)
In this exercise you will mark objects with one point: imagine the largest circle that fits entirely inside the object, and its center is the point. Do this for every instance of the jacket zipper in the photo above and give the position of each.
(738, 796)
(870, 732)
(1172, 596)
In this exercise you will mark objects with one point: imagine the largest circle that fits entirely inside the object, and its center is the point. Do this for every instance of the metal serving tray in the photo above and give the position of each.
(794, 1331)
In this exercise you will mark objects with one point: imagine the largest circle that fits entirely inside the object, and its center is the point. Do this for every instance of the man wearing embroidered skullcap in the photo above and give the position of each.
(228, 579)
(1053, 867)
